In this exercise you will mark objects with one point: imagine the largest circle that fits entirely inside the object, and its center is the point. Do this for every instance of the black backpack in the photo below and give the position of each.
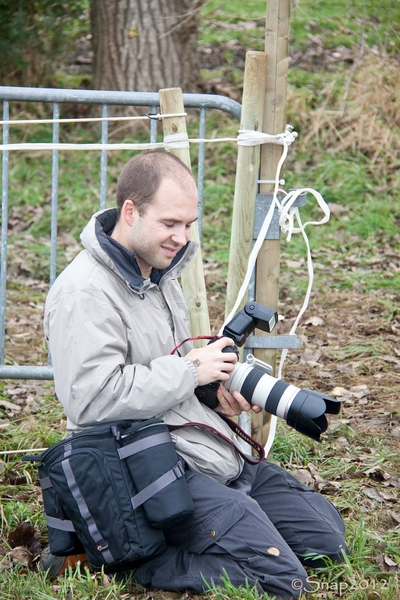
(111, 490)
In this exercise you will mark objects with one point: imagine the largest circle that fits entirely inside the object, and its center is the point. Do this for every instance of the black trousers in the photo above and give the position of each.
(257, 530)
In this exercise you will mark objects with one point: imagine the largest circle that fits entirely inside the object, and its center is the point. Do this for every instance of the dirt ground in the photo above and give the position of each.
(350, 350)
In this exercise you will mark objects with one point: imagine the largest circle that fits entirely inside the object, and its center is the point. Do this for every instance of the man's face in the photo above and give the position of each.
(163, 229)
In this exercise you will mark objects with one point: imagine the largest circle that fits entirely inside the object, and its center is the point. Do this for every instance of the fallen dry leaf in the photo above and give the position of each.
(395, 516)
(341, 392)
(315, 321)
(387, 563)
(377, 474)
(9, 405)
(20, 556)
(373, 494)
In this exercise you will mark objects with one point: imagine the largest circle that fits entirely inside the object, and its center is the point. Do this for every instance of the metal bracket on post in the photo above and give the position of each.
(272, 342)
(263, 203)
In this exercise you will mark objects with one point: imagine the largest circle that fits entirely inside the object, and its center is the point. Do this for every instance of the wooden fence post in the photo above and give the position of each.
(274, 121)
(193, 282)
(247, 172)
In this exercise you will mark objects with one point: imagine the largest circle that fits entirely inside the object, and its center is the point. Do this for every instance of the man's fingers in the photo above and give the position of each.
(231, 404)
(222, 342)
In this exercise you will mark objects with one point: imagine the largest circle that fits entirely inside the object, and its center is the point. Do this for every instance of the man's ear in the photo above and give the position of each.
(129, 212)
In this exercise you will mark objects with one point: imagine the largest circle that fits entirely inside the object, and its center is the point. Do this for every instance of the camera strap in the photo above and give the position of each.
(257, 447)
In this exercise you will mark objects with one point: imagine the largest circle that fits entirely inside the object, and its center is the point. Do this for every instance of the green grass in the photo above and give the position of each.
(78, 584)
(348, 179)
(350, 253)
(369, 535)
(230, 592)
(348, 24)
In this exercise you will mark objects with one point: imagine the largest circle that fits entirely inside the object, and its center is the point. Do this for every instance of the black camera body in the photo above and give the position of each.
(252, 315)
(207, 394)
(302, 409)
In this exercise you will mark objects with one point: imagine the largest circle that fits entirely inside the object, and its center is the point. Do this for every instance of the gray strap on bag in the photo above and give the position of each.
(45, 483)
(54, 522)
(159, 484)
(102, 546)
(162, 482)
(61, 524)
(144, 444)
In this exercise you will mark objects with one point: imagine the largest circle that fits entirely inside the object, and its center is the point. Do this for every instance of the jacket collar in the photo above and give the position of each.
(96, 239)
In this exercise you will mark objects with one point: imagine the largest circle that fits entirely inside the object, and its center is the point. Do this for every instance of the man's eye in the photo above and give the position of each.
(171, 225)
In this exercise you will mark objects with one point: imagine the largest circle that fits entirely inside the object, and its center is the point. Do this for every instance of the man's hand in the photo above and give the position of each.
(214, 365)
(211, 363)
(232, 404)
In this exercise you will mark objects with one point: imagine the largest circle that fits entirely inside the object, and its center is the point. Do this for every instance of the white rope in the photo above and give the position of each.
(62, 146)
(158, 116)
(281, 181)
(287, 216)
(176, 141)
(116, 146)
(22, 451)
(259, 241)
(172, 141)
(212, 140)
(248, 137)
(310, 268)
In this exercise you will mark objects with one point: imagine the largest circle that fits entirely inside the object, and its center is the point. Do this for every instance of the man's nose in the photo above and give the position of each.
(181, 236)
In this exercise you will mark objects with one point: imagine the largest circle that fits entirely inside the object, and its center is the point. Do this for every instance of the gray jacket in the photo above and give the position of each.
(110, 335)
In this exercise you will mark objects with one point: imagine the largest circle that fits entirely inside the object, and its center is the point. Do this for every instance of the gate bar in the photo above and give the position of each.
(122, 98)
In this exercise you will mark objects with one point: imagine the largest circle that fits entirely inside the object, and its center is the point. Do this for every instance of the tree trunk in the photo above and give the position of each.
(145, 45)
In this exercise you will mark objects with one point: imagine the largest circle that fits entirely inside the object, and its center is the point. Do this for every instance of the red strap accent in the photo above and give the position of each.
(239, 432)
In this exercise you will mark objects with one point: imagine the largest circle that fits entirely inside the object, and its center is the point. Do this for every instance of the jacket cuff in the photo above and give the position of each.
(193, 371)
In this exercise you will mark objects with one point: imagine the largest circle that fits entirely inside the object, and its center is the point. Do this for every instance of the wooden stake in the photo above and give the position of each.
(193, 283)
(274, 121)
(248, 161)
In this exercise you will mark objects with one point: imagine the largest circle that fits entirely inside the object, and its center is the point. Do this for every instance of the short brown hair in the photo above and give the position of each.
(142, 175)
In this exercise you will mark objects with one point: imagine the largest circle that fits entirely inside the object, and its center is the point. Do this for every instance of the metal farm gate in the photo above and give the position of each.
(103, 99)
